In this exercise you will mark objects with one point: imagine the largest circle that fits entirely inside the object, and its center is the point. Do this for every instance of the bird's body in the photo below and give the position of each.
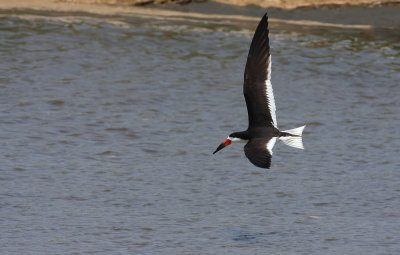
(262, 132)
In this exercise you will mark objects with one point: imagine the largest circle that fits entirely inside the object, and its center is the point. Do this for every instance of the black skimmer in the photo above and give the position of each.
(262, 132)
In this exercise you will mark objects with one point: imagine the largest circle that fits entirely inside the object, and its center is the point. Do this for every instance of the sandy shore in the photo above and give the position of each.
(262, 3)
(304, 3)
(352, 17)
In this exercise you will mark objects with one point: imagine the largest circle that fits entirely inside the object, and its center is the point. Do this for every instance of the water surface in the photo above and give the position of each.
(108, 125)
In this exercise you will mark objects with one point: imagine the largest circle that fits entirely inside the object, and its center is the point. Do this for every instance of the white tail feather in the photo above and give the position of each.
(296, 131)
(296, 140)
(293, 141)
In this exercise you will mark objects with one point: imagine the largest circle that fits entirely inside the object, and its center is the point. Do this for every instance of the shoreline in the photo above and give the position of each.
(281, 4)
(382, 17)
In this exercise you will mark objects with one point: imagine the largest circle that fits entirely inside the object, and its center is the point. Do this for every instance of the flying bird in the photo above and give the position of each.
(262, 132)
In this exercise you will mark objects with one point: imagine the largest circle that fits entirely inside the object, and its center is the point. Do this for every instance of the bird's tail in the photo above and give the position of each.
(293, 137)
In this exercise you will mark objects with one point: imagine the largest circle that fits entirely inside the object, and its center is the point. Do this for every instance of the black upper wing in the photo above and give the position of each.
(257, 88)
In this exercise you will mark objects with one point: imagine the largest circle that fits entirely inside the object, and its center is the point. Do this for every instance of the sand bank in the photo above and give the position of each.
(352, 17)
(262, 3)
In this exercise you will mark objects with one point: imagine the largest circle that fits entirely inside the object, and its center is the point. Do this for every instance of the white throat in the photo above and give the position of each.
(237, 140)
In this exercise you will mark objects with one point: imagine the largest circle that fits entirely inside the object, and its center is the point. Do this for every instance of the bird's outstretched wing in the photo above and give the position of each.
(259, 151)
(257, 87)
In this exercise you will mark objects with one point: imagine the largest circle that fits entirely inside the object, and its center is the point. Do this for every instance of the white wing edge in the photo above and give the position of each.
(271, 144)
(270, 94)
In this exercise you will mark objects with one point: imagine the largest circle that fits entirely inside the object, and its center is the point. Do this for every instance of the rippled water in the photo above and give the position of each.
(107, 130)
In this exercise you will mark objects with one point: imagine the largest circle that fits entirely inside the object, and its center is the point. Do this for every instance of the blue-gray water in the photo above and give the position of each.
(107, 131)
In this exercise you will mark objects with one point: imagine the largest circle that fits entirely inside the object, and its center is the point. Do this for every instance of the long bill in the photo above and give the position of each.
(223, 145)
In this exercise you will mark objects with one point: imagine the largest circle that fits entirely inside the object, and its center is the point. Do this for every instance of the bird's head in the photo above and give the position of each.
(234, 137)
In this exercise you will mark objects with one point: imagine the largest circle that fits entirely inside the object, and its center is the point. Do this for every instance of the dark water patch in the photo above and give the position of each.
(132, 135)
(245, 236)
(56, 102)
(73, 198)
(117, 129)
(106, 153)
(147, 150)
(324, 204)
(19, 169)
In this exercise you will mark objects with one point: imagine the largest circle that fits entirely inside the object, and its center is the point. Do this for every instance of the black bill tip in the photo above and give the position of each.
(220, 147)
